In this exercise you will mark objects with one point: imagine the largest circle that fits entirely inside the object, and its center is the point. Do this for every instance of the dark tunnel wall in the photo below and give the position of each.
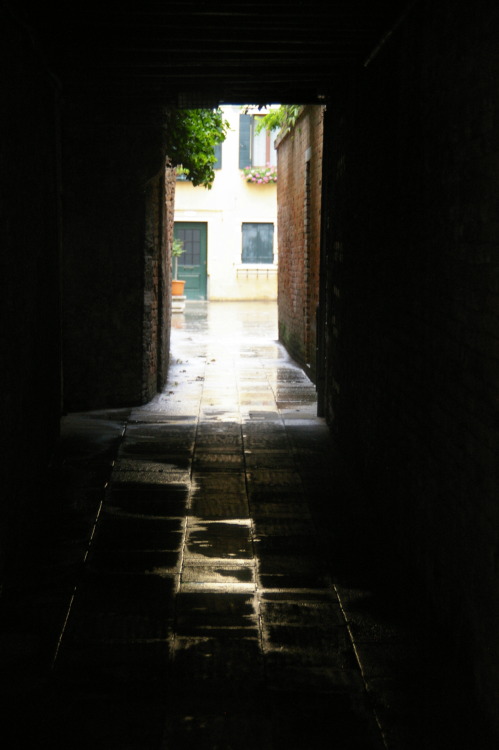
(84, 272)
(30, 375)
(413, 363)
(111, 155)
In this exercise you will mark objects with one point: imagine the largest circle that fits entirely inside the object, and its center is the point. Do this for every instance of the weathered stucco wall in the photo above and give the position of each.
(413, 307)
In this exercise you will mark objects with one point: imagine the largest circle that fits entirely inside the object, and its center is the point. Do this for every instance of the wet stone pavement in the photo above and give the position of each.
(211, 577)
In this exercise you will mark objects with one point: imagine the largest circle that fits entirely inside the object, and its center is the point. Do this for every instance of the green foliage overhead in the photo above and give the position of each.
(192, 135)
(282, 118)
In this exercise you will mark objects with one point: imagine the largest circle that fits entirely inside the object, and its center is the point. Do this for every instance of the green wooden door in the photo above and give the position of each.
(192, 263)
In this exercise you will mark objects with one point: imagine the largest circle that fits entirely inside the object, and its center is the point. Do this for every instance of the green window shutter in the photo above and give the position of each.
(218, 156)
(244, 141)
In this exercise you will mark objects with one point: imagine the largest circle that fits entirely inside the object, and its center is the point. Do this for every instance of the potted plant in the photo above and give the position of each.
(177, 284)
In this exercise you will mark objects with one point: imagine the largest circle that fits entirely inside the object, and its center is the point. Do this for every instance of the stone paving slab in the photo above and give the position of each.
(152, 562)
(290, 526)
(283, 494)
(273, 478)
(125, 593)
(136, 532)
(218, 665)
(218, 572)
(213, 460)
(168, 464)
(268, 459)
(117, 627)
(150, 478)
(221, 482)
(301, 611)
(296, 579)
(277, 512)
(167, 501)
(218, 505)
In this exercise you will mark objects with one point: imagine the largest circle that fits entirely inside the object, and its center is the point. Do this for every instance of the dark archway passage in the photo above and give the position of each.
(233, 594)
(410, 327)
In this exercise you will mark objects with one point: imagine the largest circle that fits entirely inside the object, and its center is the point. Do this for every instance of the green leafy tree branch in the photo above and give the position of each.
(192, 135)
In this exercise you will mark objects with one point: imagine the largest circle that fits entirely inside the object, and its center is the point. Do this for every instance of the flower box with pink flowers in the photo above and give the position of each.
(260, 175)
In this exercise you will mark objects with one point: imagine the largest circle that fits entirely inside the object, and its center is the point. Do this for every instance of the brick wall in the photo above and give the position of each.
(298, 222)
(413, 311)
(159, 206)
(164, 344)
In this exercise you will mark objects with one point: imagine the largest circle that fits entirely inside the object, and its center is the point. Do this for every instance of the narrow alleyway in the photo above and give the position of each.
(224, 586)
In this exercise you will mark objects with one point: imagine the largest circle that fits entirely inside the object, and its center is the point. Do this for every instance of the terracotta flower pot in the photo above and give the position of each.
(178, 287)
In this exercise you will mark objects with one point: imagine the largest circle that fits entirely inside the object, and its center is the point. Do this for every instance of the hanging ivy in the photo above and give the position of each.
(282, 118)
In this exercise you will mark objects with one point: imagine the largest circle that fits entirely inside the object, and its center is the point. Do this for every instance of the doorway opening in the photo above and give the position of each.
(192, 264)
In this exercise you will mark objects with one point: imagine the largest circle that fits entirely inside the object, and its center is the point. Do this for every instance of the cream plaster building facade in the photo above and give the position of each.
(230, 232)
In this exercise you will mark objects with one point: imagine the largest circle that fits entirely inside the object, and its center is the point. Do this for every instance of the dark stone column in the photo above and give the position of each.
(114, 203)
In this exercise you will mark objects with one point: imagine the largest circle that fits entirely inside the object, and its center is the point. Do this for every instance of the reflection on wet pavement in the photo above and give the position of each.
(224, 602)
